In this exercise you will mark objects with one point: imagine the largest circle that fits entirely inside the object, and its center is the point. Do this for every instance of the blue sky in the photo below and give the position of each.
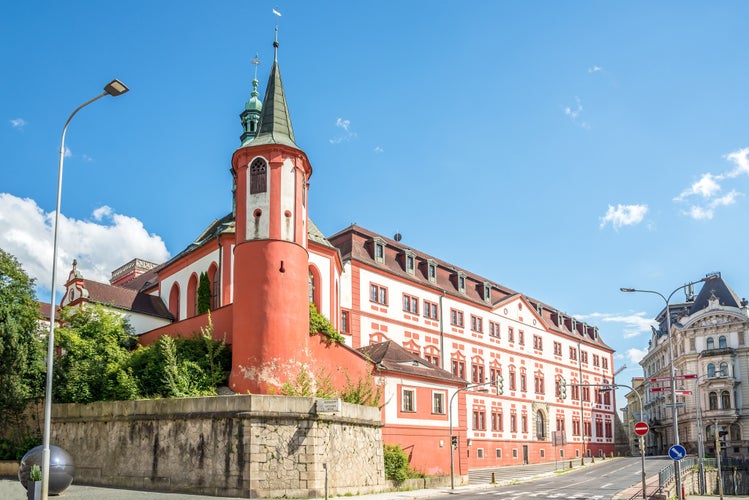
(563, 149)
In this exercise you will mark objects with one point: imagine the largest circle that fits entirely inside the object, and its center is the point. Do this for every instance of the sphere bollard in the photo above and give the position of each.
(61, 468)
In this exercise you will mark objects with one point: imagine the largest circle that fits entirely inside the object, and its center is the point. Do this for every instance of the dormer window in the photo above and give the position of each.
(379, 251)
(461, 283)
(487, 292)
(410, 262)
(432, 271)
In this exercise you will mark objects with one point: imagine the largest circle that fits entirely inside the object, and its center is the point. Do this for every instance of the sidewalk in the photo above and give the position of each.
(11, 489)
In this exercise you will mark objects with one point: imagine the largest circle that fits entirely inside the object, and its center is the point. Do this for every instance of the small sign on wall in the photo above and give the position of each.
(328, 405)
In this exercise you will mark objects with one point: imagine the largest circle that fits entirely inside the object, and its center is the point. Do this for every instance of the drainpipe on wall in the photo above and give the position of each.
(442, 334)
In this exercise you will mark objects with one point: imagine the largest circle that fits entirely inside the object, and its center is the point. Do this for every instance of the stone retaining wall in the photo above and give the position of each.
(244, 445)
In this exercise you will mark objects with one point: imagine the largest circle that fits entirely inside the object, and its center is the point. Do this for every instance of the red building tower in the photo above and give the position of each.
(271, 262)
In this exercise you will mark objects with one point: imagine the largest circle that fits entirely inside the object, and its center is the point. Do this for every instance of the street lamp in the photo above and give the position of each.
(608, 387)
(498, 384)
(675, 412)
(113, 88)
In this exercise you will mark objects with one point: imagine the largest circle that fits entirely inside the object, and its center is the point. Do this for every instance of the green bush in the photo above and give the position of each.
(396, 463)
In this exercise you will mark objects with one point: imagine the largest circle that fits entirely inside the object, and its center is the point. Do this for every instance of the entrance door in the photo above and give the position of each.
(525, 454)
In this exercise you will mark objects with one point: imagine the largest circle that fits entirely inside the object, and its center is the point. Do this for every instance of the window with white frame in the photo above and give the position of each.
(432, 271)
(378, 294)
(379, 251)
(438, 403)
(410, 304)
(430, 310)
(408, 400)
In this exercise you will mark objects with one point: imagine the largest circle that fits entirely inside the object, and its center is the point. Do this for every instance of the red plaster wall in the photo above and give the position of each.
(222, 327)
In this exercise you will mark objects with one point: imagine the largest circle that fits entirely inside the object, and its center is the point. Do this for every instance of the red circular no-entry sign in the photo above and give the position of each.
(641, 428)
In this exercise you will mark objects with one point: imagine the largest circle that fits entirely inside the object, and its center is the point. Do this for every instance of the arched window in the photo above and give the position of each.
(192, 296)
(174, 301)
(725, 400)
(713, 401)
(723, 369)
(735, 432)
(540, 425)
(213, 278)
(315, 286)
(722, 342)
(710, 370)
(258, 176)
(710, 343)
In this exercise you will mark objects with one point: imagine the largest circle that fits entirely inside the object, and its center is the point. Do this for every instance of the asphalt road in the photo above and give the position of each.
(599, 482)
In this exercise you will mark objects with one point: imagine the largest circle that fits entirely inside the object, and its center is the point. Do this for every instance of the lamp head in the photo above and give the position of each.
(115, 88)
(628, 290)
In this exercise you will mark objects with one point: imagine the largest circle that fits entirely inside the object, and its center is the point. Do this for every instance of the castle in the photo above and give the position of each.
(512, 377)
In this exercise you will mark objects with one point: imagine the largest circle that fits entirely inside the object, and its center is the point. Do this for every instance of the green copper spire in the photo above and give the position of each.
(251, 115)
(275, 122)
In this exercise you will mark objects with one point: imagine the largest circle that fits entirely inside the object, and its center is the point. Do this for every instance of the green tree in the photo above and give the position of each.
(204, 294)
(95, 345)
(21, 343)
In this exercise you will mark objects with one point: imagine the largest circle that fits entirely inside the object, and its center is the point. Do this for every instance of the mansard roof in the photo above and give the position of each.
(355, 243)
(391, 357)
(718, 288)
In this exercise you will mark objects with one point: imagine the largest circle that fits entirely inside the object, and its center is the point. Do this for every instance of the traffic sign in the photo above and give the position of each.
(683, 393)
(659, 379)
(641, 428)
(677, 452)
(658, 389)
(685, 377)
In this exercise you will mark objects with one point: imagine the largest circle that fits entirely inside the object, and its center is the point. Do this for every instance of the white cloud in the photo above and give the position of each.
(624, 215)
(346, 126)
(378, 149)
(741, 159)
(706, 187)
(634, 324)
(707, 212)
(595, 69)
(574, 112)
(68, 153)
(635, 355)
(18, 123)
(100, 246)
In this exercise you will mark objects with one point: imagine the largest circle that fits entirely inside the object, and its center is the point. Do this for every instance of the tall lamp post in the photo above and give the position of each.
(608, 387)
(113, 88)
(672, 375)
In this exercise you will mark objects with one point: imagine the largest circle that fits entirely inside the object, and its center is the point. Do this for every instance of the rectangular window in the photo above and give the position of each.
(538, 343)
(596, 360)
(344, 322)
(493, 329)
(432, 272)
(410, 304)
(538, 383)
(456, 318)
(521, 337)
(459, 368)
(514, 453)
(461, 283)
(513, 423)
(510, 334)
(497, 421)
(477, 374)
(380, 252)
(575, 392)
(438, 403)
(408, 401)
(523, 382)
(430, 310)
(410, 264)
(557, 348)
(573, 353)
(586, 393)
(605, 363)
(584, 357)
(512, 381)
(432, 358)
(494, 374)
(479, 453)
(378, 294)
(477, 324)
(575, 427)
(587, 428)
(479, 420)
(498, 452)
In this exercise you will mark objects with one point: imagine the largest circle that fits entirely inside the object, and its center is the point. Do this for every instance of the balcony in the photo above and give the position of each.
(721, 351)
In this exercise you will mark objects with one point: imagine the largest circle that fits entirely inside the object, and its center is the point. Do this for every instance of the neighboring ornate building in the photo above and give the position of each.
(712, 369)
(632, 413)
(424, 327)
